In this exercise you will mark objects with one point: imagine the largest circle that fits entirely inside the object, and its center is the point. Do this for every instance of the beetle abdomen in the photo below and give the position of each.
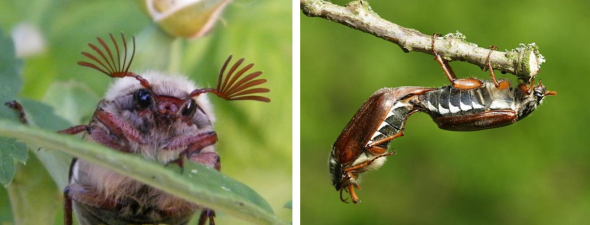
(476, 109)
(394, 122)
(449, 101)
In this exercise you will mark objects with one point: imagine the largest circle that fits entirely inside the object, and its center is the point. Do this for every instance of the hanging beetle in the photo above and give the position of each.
(363, 143)
(466, 105)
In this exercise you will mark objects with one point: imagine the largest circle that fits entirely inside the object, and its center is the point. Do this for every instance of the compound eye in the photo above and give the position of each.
(189, 108)
(143, 98)
(538, 94)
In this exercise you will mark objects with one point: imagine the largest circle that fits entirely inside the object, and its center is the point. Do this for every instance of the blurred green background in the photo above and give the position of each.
(534, 172)
(254, 138)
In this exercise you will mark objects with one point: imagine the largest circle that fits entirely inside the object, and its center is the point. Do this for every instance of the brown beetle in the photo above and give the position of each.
(363, 143)
(467, 104)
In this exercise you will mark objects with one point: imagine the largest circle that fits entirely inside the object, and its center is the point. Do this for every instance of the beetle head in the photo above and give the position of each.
(336, 173)
(529, 97)
(341, 179)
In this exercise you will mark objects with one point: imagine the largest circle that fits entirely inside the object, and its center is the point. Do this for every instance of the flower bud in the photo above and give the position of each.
(185, 18)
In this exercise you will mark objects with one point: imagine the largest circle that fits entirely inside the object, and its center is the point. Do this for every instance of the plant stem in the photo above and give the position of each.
(524, 61)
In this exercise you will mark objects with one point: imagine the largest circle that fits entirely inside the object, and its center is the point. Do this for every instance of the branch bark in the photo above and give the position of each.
(524, 61)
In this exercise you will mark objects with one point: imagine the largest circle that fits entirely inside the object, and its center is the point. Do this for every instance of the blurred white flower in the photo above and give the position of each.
(28, 40)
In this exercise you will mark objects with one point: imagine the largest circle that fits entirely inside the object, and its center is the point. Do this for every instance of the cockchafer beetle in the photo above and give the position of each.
(363, 143)
(465, 105)
(471, 104)
(161, 117)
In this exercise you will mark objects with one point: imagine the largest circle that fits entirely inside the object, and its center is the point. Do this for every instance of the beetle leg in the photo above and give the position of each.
(351, 187)
(117, 126)
(503, 84)
(350, 175)
(357, 186)
(207, 214)
(192, 143)
(463, 84)
(103, 137)
(74, 129)
(210, 159)
(527, 89)
(384, 140)
(372, 146)
(23, 118)
(489, 62)
(192, 146)
(365, 163)
(448, 70)
(353, 196)
(19, 108)
(342, 198)
(67, 207)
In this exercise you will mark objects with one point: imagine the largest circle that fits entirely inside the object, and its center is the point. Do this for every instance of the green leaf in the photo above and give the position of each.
(72, 100)
(33, 190)
(9, 74)
(14, 149)
(41, 115)
(6, 168)
(198, 184)
(10, 67)
(289, 205)
(9, 87)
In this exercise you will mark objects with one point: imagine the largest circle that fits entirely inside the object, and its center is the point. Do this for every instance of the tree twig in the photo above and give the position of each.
(524, 61)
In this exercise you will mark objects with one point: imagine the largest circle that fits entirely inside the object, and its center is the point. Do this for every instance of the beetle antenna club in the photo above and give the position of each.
(110, 66)
(234, 87)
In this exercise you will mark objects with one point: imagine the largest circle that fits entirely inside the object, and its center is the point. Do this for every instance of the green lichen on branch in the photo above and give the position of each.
(360, 6)
(528, 60)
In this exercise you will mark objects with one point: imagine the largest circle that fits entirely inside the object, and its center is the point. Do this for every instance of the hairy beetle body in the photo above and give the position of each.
(161, 117)
(101, 196)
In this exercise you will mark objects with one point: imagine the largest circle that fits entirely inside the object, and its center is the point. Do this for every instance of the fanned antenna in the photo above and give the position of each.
(108, 65)
(234, 86)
